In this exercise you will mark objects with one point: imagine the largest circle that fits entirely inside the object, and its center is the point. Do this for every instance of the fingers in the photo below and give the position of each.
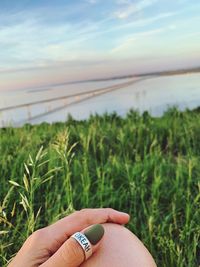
(70, 254)
(65, 227)
(77, 248)
(49, 239)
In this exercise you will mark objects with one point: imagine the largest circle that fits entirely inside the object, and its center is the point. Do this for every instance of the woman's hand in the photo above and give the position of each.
(52, 245)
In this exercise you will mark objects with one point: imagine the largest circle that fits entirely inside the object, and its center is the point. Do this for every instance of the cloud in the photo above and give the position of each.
(128, 43)
(191, 34)
(131, 24)
(130, 8)
(145, 21)
(122, 2)
(32, 43)
(92, 2)
(40, 38)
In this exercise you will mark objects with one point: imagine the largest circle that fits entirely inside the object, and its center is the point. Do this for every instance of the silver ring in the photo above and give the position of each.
(84, 243)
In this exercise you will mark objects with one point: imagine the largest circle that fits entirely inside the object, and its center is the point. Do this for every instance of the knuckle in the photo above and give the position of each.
(37, 236)
(87, 216)
(80, 212)
(83, 211)
(108, 210)
(84, 216)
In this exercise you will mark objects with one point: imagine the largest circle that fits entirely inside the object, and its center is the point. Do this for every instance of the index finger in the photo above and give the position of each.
(64, 228)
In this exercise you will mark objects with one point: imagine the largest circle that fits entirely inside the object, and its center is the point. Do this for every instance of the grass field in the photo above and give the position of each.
(148, 167)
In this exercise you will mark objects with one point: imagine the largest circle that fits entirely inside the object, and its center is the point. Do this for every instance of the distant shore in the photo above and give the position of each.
(155, 73)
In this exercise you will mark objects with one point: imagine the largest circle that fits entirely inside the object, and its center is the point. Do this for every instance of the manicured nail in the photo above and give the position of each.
(94, 233)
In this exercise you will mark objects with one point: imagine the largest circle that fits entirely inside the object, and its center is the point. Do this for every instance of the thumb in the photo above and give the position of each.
(72, 253)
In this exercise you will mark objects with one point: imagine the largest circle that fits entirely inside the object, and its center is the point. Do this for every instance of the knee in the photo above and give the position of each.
(120, 248)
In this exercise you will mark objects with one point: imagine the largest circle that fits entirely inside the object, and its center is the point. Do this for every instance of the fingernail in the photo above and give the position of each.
(94, 233)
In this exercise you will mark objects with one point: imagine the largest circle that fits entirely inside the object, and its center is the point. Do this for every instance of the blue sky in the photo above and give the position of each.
(47, 41)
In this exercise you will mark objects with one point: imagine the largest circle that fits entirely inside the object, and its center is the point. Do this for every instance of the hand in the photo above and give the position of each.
(52, 246)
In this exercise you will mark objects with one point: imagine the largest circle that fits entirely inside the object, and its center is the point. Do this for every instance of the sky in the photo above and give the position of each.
(43, 42)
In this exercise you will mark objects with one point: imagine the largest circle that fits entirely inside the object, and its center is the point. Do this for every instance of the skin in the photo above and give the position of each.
(120, 248)
(52, 245)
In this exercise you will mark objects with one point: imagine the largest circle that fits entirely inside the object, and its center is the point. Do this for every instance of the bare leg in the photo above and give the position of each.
(120, 248)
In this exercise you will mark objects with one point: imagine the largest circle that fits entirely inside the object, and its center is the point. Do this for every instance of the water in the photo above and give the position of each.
(154, 94)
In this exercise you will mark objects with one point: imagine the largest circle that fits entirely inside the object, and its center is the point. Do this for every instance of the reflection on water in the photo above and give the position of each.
(154, 94)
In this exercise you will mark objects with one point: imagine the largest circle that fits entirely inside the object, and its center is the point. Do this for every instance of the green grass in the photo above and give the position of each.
(148, 167)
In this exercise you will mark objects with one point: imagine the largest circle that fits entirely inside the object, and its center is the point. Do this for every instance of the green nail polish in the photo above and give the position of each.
(94, 233)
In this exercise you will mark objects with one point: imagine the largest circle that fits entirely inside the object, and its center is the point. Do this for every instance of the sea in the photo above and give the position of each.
(154, 94)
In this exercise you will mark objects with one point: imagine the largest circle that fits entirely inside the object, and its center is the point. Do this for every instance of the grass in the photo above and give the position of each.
(148, 167)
